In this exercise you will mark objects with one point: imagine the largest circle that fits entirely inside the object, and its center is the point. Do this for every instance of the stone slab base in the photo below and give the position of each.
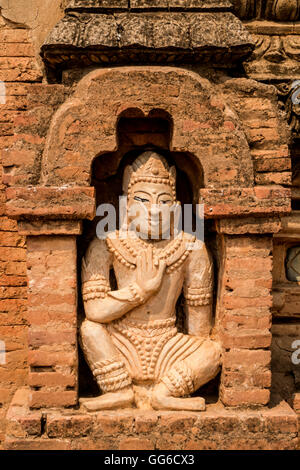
(273, 428)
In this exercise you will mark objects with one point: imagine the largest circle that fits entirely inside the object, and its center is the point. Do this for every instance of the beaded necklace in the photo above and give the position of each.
(127, 249)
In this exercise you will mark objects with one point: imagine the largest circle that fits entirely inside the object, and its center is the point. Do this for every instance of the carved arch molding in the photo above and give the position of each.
(203, 124)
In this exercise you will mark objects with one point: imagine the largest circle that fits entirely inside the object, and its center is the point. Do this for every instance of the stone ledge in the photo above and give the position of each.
(49, 227)
(250, 225)
(43, 202)
(142, 5)
(186, 32)
(156, 37)
(274, 428)
(75, 203)
(97, 5)
(272, 28)
(236, 202)
(290, 225)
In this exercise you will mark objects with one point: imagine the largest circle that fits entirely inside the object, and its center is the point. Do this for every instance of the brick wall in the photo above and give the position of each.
(18, 69)
(52, 313)
(245, 319)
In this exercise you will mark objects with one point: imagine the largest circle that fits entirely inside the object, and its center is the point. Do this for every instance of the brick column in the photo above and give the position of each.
(244, 313)
(52, 318)
(51, 218)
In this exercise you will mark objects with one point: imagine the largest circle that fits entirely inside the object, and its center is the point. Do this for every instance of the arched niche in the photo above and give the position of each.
(136, 133)
(202, 124)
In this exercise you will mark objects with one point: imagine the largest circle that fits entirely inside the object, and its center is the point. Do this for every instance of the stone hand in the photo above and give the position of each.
(149, 274)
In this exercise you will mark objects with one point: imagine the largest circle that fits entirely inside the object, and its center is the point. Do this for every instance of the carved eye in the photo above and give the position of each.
(165, 201)
(140, 199)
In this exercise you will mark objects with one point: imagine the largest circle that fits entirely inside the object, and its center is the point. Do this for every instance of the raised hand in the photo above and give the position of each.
(149, 274)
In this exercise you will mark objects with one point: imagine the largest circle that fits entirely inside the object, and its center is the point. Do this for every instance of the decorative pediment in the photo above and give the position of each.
(95, 32)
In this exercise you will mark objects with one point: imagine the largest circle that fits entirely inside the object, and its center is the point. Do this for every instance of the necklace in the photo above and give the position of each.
(126, 250)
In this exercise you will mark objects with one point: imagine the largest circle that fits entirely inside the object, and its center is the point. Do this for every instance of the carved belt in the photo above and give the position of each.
(153, 328)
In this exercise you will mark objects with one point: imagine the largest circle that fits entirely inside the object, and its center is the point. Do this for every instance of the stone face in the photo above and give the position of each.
(275, 56)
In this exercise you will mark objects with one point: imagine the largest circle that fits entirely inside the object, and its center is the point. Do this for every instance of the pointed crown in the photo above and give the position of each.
(149, 167)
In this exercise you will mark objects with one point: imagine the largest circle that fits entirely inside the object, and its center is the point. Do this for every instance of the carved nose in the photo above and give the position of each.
(154, 211)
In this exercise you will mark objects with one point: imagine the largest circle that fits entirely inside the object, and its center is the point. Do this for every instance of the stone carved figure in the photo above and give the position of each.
(129, 336)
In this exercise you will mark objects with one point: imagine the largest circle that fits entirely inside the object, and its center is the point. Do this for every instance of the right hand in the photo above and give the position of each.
(148, 275)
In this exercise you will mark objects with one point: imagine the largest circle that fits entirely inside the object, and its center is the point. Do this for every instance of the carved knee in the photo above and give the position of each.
(87, 327)
(90, 330)
(106, 365)
(209, 361)
(215, 352)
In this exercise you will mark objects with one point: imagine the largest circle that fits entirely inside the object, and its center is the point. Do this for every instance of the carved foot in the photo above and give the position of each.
(120, 399)
(162, 400)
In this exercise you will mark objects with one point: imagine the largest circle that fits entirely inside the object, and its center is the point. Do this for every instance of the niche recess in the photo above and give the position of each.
(135, 134)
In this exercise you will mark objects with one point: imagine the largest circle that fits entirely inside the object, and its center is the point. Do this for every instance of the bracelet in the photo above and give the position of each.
(95, 289)
(136, 293)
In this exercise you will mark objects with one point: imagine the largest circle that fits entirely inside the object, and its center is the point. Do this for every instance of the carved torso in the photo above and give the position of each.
(187, 269)
(161, 305)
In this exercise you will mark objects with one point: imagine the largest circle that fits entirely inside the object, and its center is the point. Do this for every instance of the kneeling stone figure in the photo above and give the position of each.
(129, 336)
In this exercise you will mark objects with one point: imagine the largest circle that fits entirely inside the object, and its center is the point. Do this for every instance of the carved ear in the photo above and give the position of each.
(173, 173)
(126, 178)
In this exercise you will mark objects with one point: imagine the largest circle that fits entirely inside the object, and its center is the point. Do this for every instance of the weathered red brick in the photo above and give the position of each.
(136, 443)
(51, 379)
(246, 339)
(40, 399)
(44, 358)
(37, 338)
(69, 426)
(236, 397)
(146, 422)
(37, 444)
(237, 358)
(112, 424)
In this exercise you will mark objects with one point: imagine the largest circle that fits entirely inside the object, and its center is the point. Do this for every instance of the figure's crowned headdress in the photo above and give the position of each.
(149, 167)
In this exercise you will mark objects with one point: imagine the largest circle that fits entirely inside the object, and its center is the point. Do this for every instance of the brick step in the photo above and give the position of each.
(268, 428)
